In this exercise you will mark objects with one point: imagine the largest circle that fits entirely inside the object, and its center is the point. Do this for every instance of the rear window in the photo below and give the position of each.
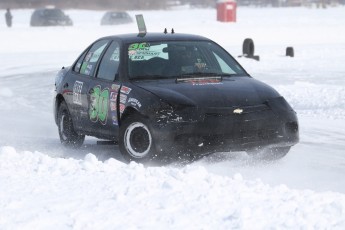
(53, 12)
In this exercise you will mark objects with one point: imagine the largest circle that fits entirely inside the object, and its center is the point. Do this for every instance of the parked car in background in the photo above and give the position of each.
(115, 18)
(50, 17)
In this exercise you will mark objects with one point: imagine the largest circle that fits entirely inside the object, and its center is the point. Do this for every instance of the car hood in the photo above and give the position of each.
(210, 92)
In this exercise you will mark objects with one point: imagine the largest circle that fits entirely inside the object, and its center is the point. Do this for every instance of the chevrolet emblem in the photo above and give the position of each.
(238, 111)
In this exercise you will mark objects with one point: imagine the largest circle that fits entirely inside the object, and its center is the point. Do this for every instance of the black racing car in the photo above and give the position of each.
(50, 17)
(116, 18)
(162, 95)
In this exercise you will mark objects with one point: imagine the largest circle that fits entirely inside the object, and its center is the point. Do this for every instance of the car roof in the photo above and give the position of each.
(117, 12)
(48, 9)
(152, 37)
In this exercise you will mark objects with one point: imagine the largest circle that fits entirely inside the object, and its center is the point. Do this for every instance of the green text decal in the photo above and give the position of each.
(139, 46)
(99, 105)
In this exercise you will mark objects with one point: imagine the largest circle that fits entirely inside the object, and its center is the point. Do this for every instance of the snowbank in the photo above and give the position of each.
(89, 194)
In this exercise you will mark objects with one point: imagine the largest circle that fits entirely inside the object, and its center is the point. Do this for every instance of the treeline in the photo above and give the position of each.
(103, 4)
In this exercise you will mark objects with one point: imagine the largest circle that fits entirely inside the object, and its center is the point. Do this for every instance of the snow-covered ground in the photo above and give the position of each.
(44, 186)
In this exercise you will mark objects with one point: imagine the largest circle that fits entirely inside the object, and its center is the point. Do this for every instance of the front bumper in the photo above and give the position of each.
(271, 124)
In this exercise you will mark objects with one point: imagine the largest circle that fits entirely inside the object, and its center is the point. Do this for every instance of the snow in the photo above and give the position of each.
(57, 193)
(45, 186)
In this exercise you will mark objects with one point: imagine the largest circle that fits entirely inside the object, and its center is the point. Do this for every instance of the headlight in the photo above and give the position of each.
(168, 114)
(279, 103)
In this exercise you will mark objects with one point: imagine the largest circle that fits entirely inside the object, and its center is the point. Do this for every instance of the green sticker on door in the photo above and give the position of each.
(99, 105)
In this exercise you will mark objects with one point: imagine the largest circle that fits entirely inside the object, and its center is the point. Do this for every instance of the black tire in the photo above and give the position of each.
(68, 136)
(136, 141)
(248, 47)
(290, 52)
(269, 154)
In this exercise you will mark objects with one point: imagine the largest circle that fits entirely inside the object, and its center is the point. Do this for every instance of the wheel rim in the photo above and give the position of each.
(137, 140)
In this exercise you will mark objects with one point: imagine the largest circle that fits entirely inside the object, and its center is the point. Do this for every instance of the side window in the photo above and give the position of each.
(79, 62)
(91, 58)
(110, 62)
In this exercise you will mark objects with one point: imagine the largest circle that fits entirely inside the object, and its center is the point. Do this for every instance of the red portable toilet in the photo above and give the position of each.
(226, 10)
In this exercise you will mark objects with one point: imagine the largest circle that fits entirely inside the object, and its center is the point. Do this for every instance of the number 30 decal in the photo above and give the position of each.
(99, 105)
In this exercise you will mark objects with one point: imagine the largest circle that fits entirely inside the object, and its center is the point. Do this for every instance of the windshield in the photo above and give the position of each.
(53, 13)
(175, 59)
(119, 15)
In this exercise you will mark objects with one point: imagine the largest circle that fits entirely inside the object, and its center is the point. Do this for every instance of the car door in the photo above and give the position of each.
(78, 84)
(83, 73)
(103, 94)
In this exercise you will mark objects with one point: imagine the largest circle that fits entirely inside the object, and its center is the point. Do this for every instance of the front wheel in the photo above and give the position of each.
(136, 141)
(269, 154)
(68, 136)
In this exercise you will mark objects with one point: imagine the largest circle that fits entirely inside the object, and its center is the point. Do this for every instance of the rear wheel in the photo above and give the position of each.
(68, 136)
(269, 154)
(136, 141)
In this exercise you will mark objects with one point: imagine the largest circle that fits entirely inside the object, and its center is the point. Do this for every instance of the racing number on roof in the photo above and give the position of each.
(99, 105)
